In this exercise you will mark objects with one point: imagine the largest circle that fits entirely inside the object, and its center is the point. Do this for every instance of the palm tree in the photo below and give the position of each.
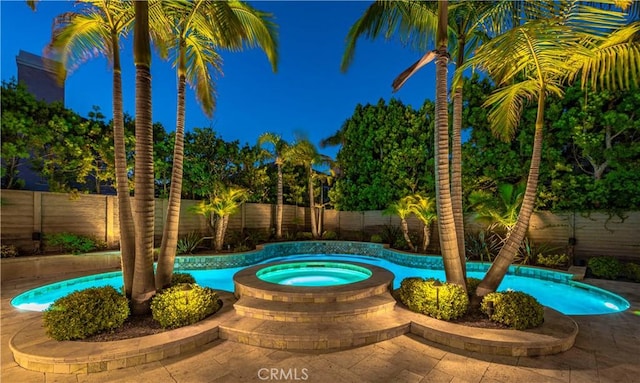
(402, 208)
(77, 37)
(280, 148)
(197, 30)
(225, 202)
(501, 211)
(304, 153)
(426, 22)
(143, 288)
(424, 208)
(543, 54)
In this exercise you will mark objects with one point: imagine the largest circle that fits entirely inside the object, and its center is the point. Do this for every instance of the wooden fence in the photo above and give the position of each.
(26, 216)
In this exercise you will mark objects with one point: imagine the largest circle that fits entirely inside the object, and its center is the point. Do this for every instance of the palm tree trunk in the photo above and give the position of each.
(446, 222)
(169, 244)
(125, 214)
(405, 233)
(426, 237)
(505, 257)
(225, 224)
(279, 204)
(456, 162)
(219, 233)
(143, 287)
(312, 207)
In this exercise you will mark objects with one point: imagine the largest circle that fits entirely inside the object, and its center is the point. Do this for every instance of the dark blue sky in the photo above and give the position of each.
(308, 93)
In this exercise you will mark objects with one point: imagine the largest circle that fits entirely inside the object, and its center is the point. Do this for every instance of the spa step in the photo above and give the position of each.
(367, 307)
(312, 294)
(313, 335)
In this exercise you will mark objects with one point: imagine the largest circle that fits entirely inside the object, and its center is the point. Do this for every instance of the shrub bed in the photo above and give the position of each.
(445, 302)
(514, 309)
(184, 304)
(605, 267)
(86, 312)
(73, 243)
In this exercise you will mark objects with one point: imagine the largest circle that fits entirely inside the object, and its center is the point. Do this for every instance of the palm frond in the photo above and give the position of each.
(259, 30)
(200, 59)
(414, 21)
(615, 63)
(506, 106)
(407, 73)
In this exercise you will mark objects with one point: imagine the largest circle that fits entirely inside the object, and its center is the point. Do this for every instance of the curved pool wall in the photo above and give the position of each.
(275, 250)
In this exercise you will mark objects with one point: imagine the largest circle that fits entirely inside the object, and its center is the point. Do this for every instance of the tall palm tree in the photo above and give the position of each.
(197, 31)
(279, 154)
(77, 37)
(402, 208)
(446, 222)
(543, 54)
(143, 288)
(425, 210)
(426, 23)
(303, 152)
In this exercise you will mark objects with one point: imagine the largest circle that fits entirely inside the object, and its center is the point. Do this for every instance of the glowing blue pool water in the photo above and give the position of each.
(573, 298)
(313, 274)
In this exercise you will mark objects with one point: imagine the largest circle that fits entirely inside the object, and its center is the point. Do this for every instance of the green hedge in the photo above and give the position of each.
(632, 271)
(184, 304)
(86, 312)
(446, 302)
(605, 267)
(514, 309)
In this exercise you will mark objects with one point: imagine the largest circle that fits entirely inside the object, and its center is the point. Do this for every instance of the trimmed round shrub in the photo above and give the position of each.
(472, 285)
(86, 312)
(632, 271)
(178, 278)
(605, 267)
(184, 304)
(446, 302)
(376, 238)
(514, 309)
(330, 235)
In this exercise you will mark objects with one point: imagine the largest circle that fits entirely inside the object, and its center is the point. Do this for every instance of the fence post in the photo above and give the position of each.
(242, 216)
(37, 235)
(108, 227)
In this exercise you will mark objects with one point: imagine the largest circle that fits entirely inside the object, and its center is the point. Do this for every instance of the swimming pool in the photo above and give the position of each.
(568, 297)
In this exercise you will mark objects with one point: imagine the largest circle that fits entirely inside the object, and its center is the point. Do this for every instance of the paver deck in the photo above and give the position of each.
(606, 349)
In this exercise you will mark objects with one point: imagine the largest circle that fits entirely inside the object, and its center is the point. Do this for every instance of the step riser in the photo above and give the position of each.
(318, 297)
(305, 317)
(311, 342)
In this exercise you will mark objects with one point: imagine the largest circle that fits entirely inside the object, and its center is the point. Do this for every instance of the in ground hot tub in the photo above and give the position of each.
(314, 273)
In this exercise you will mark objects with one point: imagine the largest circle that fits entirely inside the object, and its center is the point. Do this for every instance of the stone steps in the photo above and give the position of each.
(313, 335)
(364, 308)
